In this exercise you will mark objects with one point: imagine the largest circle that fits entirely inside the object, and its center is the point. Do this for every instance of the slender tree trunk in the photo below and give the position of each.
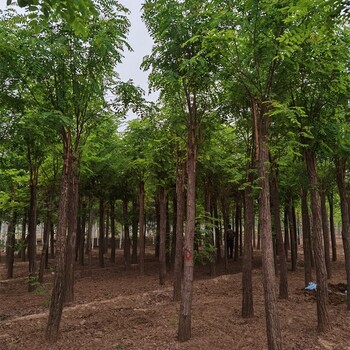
(180, 204)
(58, 290)
(162, 234)
(126, 232)
(10, 245)
(247, 267)
(184, 331)
(306, 237)
(142, 228)
(134, 232)
(107, 230)
(112, 208)
(217, 230)
(345, 219)
(226, 223)
(167, 235)
(286, 231)
(321, 272)
(89, 234)
(157, 240)
(271, 313)
(283, 280)
(237, 222)
(209, 230)
(52, 242)
(332, 226)
(101, 246)
(47, 229)
(32, 229)
(292, 236)
(82, 233)
(173, 237)
(24, 229)
(326, 233)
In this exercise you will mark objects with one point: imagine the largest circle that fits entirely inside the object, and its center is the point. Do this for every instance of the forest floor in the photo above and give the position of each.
(118, 309)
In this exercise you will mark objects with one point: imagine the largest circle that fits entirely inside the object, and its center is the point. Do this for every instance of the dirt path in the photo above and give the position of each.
(120, 310)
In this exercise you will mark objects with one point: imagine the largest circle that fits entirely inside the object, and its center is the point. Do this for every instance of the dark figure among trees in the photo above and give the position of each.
(230, 241)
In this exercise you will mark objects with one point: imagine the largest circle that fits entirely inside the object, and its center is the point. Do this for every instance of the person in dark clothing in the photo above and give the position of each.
(230, 236)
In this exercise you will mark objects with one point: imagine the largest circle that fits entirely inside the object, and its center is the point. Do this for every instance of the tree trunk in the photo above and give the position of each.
(217, 230)
(209, 236)
(247, 266)
(107, 230)
(101, 246)
(127, 259)
(306, 237)
(321, 272)
(184, 331)
(345, 219)
(162, 234)
(24, 229)
(82, 230)
(271, 313)
(10, 245)
(226, 223)
(89, 234)
(135, 222)
(283, 269)
(237, 224)
(326, 234)
(47, 229)
(58, 290)
(293, 241)
(32, 229)
(112, 208)
(52, 242)
(180, 203)
(332, 227)
(173, 238)
(142, 228)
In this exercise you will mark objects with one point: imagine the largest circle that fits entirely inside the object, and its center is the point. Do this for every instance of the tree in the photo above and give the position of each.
(68, 76)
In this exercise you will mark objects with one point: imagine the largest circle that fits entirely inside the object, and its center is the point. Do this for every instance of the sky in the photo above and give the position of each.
(141, 43)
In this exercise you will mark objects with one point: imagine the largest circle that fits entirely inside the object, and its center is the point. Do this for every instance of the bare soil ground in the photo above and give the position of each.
(118, 309)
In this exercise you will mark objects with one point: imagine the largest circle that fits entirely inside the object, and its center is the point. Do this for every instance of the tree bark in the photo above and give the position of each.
(127, 258)
(162, 234)
(293, 241)
(209, 236)
(332, 226)
(218, 238)
(47, 229)
(24, 229)
(58, 290)
(321, 272)
(142, 228)
(32, 228)
(283, 269)
(72, 233)
(345, 219)
(271, 312)
(101, 246)
(247, 267)
(184, 331)
(180, 204)
(89, 234)
(237, 224)
(112, 208)
(134, 232)
(10, 245)
(306, 237)
(326, 233)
